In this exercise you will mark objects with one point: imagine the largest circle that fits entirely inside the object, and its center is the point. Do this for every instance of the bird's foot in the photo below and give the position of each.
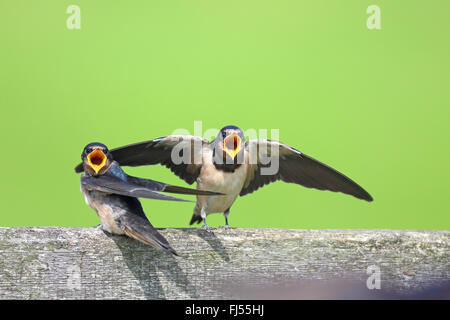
(227, 226)
(98, 227)
(207, 228)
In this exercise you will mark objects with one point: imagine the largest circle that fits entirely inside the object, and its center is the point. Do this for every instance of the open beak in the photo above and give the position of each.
(232, 145)
(97, 160)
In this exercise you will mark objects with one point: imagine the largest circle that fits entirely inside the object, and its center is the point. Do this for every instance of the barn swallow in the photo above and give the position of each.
(231, 166)
(114, 196)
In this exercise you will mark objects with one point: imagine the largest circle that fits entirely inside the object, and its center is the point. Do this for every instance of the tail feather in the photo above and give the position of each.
(195, 219)
(142, 230)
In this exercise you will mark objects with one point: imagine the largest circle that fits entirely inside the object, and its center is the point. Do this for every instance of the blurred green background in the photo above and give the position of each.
(374, 104)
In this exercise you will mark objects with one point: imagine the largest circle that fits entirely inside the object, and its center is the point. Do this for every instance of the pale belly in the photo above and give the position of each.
(103, 205)
(228, 183)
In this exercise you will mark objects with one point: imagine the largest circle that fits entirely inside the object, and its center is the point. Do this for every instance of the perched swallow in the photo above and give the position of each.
(231, 166)
(114, 196)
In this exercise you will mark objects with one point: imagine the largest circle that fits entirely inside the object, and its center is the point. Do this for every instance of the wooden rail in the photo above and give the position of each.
(86, 263)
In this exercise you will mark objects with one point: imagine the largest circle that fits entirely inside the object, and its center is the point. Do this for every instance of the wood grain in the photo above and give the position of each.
(87, 263)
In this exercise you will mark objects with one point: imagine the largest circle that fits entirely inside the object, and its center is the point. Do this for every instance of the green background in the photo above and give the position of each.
(374, 104)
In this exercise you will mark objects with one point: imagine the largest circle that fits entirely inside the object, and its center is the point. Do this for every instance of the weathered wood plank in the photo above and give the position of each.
(86, 263)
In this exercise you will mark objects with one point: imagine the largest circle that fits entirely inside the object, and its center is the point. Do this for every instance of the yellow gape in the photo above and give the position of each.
(97, 160)
(232, 145)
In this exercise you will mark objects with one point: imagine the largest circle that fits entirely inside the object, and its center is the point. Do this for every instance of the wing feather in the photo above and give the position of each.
(114, 185)
(295, 167)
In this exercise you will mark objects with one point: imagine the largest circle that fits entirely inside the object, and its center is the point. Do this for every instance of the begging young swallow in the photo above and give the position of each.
(231, 166)
(114, 196)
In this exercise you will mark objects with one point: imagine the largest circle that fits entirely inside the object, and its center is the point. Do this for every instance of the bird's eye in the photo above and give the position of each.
(88, 150)
(224, 134)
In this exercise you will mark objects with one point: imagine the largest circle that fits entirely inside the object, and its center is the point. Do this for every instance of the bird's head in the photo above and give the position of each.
(231, 140)
(96, 158)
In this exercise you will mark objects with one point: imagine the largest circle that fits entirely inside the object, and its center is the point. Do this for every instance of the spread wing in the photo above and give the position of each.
(294, 167)
(112, 184)
(182, 154)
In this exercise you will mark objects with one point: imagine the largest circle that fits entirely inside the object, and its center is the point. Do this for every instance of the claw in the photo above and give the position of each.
(207, 228)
